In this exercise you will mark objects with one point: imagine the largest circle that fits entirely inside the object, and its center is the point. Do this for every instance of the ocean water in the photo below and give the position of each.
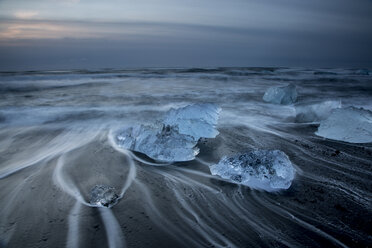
(57, 141)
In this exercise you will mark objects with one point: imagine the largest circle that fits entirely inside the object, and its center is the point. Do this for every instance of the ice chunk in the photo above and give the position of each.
(175, 138)
(281, 95)
(103, 196)
(269, 170)
(197, 120)
(162, 143)
(316, 112)
(347, 124)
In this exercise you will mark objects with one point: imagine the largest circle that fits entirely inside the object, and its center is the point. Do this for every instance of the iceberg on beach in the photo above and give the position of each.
(269, 170)
(176, 136)
(281, 95)
(162, 143)
(350, 124)
(197, 120)
(316, 112)
(103, 196)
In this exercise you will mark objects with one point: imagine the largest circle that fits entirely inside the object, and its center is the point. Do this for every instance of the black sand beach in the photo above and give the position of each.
(57, 141)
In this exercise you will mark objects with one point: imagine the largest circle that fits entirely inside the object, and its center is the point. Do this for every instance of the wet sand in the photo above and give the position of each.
(180, 205)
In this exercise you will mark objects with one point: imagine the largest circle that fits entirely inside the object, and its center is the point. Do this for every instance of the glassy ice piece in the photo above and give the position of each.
(176, 137)
(316, 112)
(347, 124)
(197, 120)
(269, 170)
(162, 143)
(103, 196)
(281, 95)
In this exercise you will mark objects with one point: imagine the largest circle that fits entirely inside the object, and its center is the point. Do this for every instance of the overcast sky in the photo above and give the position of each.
(89, 34)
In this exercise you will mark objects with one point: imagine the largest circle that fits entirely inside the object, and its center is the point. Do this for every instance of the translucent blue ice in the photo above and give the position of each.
(269, 170)
(281, 95)
(162, 143)
(176, 136)
(197, 120)
(347, 124)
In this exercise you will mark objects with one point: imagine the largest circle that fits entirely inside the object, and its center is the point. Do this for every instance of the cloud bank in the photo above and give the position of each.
(49, 34)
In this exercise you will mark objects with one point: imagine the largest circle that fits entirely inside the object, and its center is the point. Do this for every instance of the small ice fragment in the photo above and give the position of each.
(269, 170)
(162, 143)
(103, 196)
(196, 120)
(316, 112)
(350, 124)
(281, 95)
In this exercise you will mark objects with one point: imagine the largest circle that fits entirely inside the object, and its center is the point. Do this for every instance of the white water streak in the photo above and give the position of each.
(66, 184)
(61, 144)
(73, 226)
(132, 167)
(284, 213)
(113, 231)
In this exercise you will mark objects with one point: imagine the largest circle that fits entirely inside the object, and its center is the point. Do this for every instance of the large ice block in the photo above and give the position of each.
(269, 170)
(197, 120)
(175, 137)
(347, 124)
(162, 143)
(316, 112)
(281, 95)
